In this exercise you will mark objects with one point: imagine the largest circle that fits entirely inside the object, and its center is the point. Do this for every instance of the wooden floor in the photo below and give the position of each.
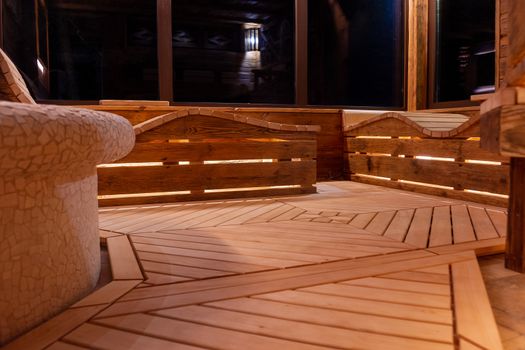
(506, 294)
(352, 267)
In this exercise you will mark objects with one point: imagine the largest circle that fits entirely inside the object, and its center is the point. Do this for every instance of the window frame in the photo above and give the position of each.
(432, 64)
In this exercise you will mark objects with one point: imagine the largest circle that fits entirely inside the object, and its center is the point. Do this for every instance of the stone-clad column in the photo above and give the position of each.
(49, 244)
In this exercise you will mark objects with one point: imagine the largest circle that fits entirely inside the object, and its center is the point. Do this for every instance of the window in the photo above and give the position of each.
(103, 50)
(462, 54)
(356, 52)
(19, 29)
(233, 51)
(228, 51)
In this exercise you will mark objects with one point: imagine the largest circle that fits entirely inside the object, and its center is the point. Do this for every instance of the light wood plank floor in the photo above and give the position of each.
(352, 267)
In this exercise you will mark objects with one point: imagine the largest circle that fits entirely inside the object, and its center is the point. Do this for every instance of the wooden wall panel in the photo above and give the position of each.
(449, 148)
(502, 20)
(130, 180)
(201, 151)
(396, 151)
(458, 175)
(330, 149)
(184, 155)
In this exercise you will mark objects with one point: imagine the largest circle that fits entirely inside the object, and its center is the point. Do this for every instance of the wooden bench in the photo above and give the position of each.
(201, 153)
(430, 153)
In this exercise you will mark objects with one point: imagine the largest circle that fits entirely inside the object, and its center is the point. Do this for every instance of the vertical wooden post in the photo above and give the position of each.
(2, 24)
(417, 54)
(165, 49)
(515, 253)
(301, 52)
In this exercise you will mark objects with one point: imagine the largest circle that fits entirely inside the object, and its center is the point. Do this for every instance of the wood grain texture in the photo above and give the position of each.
(214, 276)
(461, 175)
(126, 180)
(215, 143)
(202, 127)
(475, 321)
(330, 141)
(515, 253)
(226, 150)
(54, 329)
(124, 265)
(429, 190)
(516, 49)
(444, 148)
(417, 54)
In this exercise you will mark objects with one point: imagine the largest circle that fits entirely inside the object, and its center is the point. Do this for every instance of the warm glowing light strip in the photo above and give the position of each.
(379, 154)
(485, 162)
(488, 194)
(435, 158)
(129, 165)
(241, 161)
(374, 177)
(140, 195)
(267, 140)
(251, 188)
(375, 137)
(426, 184)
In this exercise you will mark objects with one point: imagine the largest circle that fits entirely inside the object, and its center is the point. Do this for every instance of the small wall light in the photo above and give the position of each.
(40, 66)
(251, 39)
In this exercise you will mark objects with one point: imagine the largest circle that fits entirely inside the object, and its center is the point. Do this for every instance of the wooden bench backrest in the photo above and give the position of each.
(428, 153)
(204, 154)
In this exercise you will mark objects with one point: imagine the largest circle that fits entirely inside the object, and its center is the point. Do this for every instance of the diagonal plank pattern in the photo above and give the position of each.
(180, 255)
(285, 273)
(411, 300)
(424, 227)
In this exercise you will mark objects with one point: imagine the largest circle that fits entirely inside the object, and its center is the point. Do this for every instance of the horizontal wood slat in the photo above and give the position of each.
(329, 139)
(201, 151)
(447, 148)
(420, 138)
(434, 191)
(387, 127)
(459, 175)
(171, 198)
(126, 180)
(202, 138)
(199, 127)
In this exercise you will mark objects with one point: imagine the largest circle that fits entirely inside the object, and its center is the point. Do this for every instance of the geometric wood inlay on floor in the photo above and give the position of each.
(340, 269)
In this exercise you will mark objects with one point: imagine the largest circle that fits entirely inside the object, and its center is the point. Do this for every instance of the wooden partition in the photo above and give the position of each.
(429, 153)
(196, 154)
(330, 155)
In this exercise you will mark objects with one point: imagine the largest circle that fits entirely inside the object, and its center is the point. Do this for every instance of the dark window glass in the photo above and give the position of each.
(19, 36)
(233, 51)
(103, 49)
(356, 52)
(464, 52)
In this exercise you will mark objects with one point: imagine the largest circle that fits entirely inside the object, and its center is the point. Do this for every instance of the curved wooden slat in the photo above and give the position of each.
(436, 125)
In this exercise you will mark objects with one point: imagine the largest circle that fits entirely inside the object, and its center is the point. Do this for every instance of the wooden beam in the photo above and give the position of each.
(417, 54)
(514, 257)
(2, 24)
(165, 49)
(301, 52)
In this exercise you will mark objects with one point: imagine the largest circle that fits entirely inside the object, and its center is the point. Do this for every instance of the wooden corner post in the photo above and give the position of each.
(503, 127)
(165, 49)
